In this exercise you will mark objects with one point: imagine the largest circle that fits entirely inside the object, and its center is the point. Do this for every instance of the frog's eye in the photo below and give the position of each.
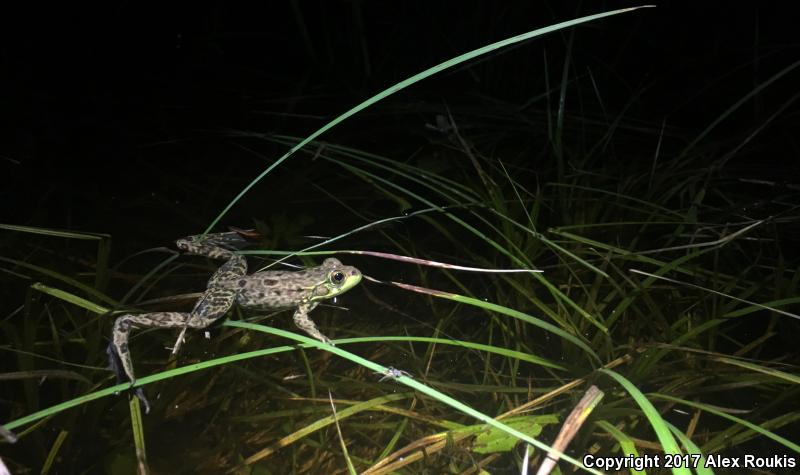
(337, 277)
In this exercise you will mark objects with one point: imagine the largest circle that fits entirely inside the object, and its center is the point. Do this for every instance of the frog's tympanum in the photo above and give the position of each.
(231, 285)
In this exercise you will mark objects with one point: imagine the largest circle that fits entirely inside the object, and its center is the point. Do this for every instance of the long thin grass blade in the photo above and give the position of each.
(412, 80)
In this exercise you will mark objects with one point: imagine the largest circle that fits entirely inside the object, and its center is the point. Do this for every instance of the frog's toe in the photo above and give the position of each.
(139, 392)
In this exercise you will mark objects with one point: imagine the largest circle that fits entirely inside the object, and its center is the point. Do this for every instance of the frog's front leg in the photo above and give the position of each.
(304, 323)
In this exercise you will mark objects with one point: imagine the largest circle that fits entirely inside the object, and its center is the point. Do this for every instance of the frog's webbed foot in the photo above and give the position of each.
(139, 392)
(304, 323)
(204, 246)
(218, 245)
(115, 365)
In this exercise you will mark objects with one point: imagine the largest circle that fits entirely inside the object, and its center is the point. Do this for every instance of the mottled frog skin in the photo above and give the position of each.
(231, 285)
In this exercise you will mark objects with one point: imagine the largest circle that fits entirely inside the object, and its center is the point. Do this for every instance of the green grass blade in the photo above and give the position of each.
(505, 311)
(51, 456)
(792, 378)
(55, 232)
(350, 468)
(137, 426)
(766, 433)
(412, 80)
(692, 449)
(71, 298)
(325, 422)
(738, 104)
(465, 344)
(626, 444)
(658, 424)
(61, 277)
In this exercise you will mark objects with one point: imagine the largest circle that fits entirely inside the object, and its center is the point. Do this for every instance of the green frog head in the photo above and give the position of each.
(336, 279)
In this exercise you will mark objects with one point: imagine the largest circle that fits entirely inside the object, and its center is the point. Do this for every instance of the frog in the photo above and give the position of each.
(230, 286)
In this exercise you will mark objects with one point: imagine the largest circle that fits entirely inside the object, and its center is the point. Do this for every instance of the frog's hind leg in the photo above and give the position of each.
(118, 350)
(125, 323)
(217, 300)
(214, 304)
